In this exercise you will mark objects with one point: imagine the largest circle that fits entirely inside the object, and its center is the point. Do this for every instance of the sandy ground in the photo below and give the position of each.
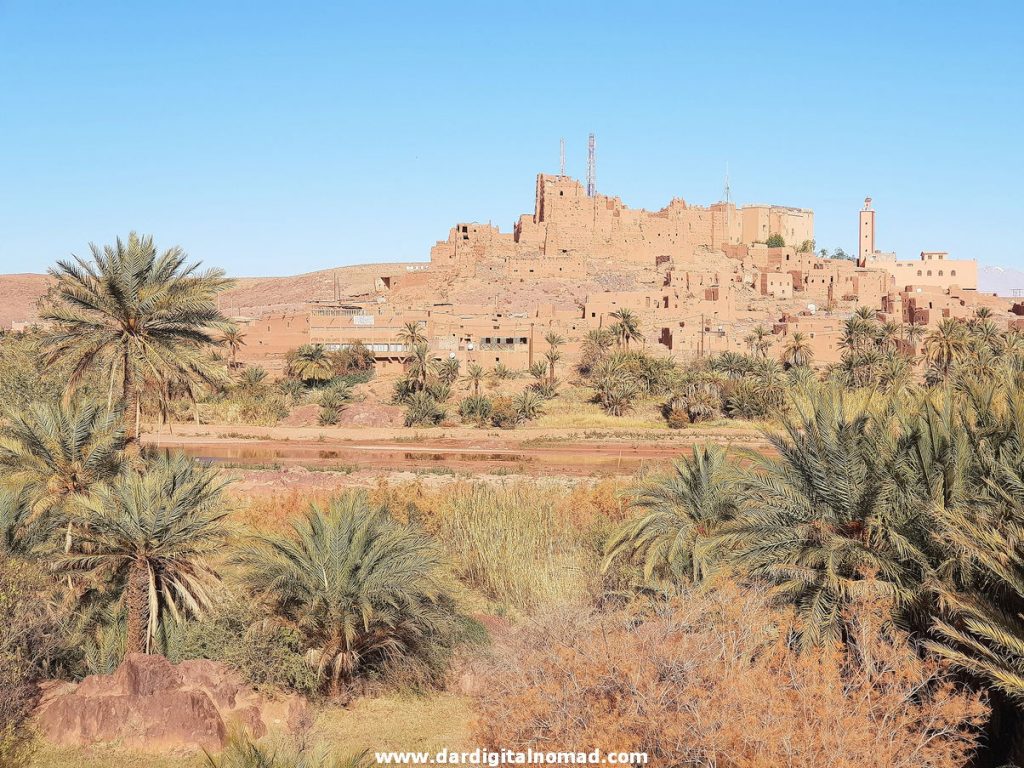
(273, 459)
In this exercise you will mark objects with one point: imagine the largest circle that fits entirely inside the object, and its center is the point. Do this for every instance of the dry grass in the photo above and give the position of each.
(511, 544)
(572, 409)
(425, 723)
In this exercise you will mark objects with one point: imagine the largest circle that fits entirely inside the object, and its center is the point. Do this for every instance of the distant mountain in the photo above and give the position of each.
(1001, 280)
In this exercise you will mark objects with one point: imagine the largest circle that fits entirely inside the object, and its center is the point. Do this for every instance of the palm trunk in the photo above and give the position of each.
(130, 398)
(137, 604)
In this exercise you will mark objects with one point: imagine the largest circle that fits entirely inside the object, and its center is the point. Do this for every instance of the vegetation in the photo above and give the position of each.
(677, 535)
(136, 316)
(711, 680)
(858, 588)
(150, 540)
(359, 587)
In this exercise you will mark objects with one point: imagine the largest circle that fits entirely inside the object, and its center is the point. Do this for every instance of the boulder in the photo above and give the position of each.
(149, 703)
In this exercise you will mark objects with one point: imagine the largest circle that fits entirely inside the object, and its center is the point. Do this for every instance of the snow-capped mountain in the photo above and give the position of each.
(1001, 280)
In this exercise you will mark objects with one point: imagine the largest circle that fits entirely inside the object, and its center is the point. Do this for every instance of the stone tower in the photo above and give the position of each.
(866, 233)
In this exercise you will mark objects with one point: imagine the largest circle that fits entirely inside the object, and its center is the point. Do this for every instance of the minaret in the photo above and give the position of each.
(866, 234)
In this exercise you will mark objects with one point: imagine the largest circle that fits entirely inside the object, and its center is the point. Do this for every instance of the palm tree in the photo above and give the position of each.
(758, 341)
(886, 334)
(59, 453)
(448, 370)
(946, 344)
(412, 334)
(977, 516)
(474, 375)
(859, 331)
(682, 512)
(312, 363)
(357, 585)
(23, 532)
(252, 378)
(135, 314)
(733, 364)
(598, 341)
(913, 333)
(797, 352)
(554, 341)
(234, 339)
(817, 520)
(983, 332)
(418, 364)
(151, 539)
(627, 328)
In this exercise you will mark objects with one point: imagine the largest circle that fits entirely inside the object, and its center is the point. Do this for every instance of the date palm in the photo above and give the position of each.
(733, 364)
(758, 340)
(151, 539)
(913, 334)
(234, 339)
(681, 513)
(627, 327)
(554, 341)
(312, 363)
(474, 375)
(797, 352)
(979, 524)
(448, 370)
(528, 405)
(57, 454)
(135, 315)
(886, 334)
(23, 532)
(945, 345)
(412, 334)
(816, 520)
(418, 365)
(357, 585)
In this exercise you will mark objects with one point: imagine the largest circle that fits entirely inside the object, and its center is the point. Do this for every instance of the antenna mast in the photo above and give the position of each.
(561, 154)
(727, 193)
(591, 168)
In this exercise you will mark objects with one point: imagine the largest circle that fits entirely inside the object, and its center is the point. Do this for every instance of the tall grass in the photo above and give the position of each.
(573, 409)
(515, 545)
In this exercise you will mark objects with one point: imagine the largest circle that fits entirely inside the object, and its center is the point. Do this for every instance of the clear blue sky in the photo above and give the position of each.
(274, 138)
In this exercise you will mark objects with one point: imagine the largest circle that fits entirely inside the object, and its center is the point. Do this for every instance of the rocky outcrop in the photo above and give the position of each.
(149, 703)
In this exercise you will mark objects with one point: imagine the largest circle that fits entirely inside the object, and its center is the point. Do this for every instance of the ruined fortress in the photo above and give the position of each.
(700, 279)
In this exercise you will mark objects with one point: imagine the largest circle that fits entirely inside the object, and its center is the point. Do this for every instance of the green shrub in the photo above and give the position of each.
(476, 409)
(266, 654)
(424, 411)
(502, 372)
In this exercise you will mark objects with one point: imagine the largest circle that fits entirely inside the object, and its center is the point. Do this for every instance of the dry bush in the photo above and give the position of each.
(274, 511)
(714, 682)
(28, 642)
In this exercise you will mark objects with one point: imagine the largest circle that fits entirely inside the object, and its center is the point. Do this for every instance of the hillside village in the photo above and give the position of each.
(700, 280)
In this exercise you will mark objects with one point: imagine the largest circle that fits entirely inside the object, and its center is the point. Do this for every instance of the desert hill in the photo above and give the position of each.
(20, 293)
